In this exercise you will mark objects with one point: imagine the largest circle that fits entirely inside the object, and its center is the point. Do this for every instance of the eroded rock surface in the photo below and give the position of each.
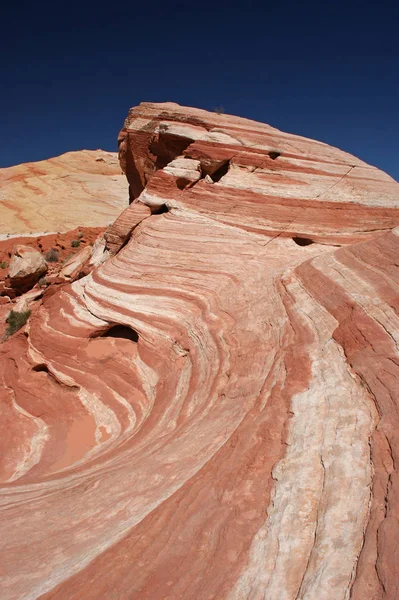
(27, 265)
(212, 412)
(84, 188)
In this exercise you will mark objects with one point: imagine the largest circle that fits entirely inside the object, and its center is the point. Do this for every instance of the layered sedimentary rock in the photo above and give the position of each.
(212, 412)
(85, 188)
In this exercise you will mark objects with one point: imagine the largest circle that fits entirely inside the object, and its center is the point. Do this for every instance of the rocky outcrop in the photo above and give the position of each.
(57, 252)
(26, 267)
(84, 188)
(119, 232)
(75, 264)
(212, 412)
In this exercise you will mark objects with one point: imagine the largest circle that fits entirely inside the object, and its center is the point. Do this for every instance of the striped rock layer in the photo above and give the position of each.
(212, 413)
(84, 188)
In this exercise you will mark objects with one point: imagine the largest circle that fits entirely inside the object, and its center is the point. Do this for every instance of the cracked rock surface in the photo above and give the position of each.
(212, 412)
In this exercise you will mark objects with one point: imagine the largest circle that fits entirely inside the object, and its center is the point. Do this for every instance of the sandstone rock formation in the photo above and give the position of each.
(75, 264)
(27, 265)
(57, 250)
(85, 188)
(212, 413)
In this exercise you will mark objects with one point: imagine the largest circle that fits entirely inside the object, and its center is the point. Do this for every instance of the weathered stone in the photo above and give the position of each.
(74, 265)
(26, 267)
(119, 232)
(99, 252)
(84, 188)
(212, 413)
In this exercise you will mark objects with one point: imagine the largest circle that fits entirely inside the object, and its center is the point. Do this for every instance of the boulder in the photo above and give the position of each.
(26, 267)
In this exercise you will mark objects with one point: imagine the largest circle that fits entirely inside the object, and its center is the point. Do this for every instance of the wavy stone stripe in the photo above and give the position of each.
(211, 413)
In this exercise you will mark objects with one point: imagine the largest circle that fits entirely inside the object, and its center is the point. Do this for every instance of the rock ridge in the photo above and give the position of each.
(212, 411)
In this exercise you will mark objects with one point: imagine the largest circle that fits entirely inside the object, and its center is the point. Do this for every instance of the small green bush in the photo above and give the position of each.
(15, 321)
(75, 243)
(52, 255)
(43, 282)
(3, 265)
(219, 110)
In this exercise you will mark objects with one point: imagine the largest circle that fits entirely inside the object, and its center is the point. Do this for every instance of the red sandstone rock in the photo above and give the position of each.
(119, 232)
(26, 267)
(212, 413)
(74, 265)
(24, 302)
(59, 248)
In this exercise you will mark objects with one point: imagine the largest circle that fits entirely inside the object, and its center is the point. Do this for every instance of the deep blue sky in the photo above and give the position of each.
(326, 69)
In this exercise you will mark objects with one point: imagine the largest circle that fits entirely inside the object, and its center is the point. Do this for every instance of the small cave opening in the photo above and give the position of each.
(302, 241)
(159, 210)
(221, 171)
(167, 147)
(136, 185)
(122, 332)
(274, 154)
(182, 183)
(42, 368)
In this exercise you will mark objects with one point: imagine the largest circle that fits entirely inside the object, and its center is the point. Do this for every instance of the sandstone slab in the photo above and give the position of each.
(61, 193)
(73, 265)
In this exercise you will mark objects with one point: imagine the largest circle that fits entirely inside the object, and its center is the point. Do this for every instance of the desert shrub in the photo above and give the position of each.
(80, 235)
(219, 110)
(43, 281)
(15, 321)
(75, 243)
(52, 255)
(3, 264)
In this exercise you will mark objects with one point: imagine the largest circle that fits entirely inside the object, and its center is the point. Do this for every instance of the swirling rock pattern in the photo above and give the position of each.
(212, 412)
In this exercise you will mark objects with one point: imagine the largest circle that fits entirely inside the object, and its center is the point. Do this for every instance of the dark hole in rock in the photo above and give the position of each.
(167, 147)
(221, 171)
(122, 332)
(40, 368)
(274, 154)
(182, 183)
(164, 148)
(302, 241)
(159, 210)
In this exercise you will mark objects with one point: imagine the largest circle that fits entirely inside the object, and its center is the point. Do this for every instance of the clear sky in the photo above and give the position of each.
(324, 69)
